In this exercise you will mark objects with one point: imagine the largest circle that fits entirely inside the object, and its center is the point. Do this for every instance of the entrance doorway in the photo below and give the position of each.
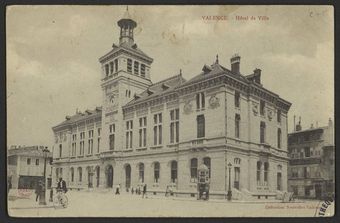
(279, 181)
(318, 191)
(109, 176)
(127, 176)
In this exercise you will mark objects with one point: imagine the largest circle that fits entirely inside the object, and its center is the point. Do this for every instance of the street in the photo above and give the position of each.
(106, 204)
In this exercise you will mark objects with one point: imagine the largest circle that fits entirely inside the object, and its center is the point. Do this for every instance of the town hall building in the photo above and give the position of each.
(160, 133)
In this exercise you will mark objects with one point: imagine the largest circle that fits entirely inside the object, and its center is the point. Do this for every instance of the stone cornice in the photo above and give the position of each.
(114, 53)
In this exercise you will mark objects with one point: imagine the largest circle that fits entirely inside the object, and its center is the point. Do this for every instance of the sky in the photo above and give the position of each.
(53, 68)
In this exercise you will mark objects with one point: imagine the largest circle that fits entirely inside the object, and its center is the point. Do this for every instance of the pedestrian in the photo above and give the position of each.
(38, 190)
(167, 191)
(144, 191)
(132, 190)
(117, 189)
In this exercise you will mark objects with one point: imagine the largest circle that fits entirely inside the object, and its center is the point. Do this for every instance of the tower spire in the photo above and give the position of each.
(126, 24)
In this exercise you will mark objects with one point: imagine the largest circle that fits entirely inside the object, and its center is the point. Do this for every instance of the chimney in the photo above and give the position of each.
(257, 75)
(235, 63)
(298, 126)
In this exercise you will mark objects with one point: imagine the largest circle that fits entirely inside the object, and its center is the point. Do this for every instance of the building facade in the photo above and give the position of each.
(25, 167)
(160, 133)
(311, 168)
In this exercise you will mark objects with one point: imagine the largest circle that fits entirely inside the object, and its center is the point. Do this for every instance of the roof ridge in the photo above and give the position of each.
(164, 80)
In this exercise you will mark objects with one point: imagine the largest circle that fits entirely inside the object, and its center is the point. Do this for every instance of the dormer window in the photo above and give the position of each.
(136, 68)
(142, 70)
(129, 65)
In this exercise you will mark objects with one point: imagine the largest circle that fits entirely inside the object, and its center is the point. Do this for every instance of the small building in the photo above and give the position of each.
(25, 166)
(311, 168)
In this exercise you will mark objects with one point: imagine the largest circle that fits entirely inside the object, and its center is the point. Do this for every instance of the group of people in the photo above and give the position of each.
(139, 191)
(40, 187)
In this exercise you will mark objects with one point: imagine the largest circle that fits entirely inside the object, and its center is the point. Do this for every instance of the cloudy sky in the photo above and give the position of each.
(53, 51)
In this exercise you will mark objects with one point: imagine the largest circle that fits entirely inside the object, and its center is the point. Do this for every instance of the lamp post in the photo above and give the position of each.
(42, 198)
(229, 194)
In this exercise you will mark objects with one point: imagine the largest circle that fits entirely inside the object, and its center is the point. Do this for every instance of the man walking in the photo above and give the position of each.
(144, 191)
(38, 190)
(117, 189)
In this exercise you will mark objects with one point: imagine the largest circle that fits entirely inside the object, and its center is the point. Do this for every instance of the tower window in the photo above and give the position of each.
(279, 116)
(112, 137)
(262, 132)
(107, 69)
(237, 125)
(142, 70)
(262, 105)
(279, 136)
(237, 99)
(129, 65)
(116, 65)
(111, 67)
(136, 68)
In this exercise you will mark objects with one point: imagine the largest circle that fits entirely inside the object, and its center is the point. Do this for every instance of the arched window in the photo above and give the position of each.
(72, 174)
(174, 171)
(193, 169)
(80, 174)
(207, 162)
(141, 172)
(266, 169)
(156, 169)
(258, 172)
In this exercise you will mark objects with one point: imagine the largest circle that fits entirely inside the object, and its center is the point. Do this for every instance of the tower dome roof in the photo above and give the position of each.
(127, 20)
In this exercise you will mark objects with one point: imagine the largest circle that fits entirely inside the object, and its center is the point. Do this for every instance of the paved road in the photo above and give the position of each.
(105, 204)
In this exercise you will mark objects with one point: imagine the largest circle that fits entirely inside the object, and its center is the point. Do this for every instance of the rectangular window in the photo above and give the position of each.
(90, 143)
(237, 125)
(74, 145)
(262, 132)
(129, 65)
(279, 136)
(262, 107)
(116, 65)
(111, 67)
(37, 162)
(142, 70)
(307, 151)
(136, 68)
(237, 178)
(237, 99)
(112, 136)
(82, 145)
(200, 101)
(60, 150)
(129, 127)
(28, 161)
(107, 71)
(279, 116)
(157, 129)
(98, 144)
(142, 132)
(174, 126)
(200, 126)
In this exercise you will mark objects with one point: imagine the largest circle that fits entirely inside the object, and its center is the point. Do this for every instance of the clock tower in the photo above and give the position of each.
(125, 72)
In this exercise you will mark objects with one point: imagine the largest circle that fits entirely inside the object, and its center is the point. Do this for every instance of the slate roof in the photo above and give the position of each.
(81, 116)
(215, 70)
(36, 151)
(159, 88)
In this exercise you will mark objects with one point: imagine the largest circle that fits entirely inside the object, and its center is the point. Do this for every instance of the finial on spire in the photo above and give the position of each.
(216, 59)
(180, 72)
